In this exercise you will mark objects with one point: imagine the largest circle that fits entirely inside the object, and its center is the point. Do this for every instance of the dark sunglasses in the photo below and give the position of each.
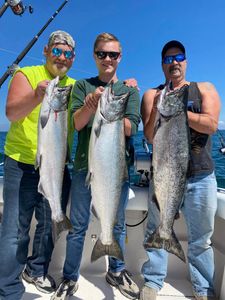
(103, 54)
(170, 58)
(68, 54)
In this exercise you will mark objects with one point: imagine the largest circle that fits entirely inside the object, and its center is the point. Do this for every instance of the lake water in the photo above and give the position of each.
(218, 157)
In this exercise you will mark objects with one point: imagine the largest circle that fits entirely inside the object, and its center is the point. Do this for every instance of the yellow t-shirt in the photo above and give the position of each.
(21, 140)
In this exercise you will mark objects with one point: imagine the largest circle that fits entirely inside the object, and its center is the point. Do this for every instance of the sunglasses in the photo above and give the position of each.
(170, 58)
(68, 54)
(103, 54)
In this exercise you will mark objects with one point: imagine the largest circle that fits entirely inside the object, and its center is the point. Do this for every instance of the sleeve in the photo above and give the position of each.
(78, 95)
(30, 74)
(133, 110)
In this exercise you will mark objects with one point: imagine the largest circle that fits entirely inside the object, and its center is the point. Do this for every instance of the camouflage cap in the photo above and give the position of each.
(61, 37)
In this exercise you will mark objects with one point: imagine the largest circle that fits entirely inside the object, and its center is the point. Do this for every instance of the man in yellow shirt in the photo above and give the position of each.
(20, 190)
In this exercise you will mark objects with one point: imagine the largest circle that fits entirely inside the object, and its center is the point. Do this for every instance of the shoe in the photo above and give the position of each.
(65, 289)
(44, 284)
(124, 283)
(148, 293)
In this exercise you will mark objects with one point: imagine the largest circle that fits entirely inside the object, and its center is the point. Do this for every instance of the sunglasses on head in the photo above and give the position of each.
(170, 58)
(68, 54)
(103, 54)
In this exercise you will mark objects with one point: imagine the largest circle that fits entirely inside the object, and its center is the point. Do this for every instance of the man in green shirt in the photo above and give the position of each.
(85, 97)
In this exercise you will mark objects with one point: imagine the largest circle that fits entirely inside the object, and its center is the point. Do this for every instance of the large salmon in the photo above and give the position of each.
(171, 150)
(53, 149)
(107, 168)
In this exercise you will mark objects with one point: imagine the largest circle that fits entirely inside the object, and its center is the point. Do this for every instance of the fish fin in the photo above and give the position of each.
(40, 189)
(100, 250)
(68, 156)
(59, 227)
(177, 215)
(98, 128)
(171, 245)
(94, 212)
(88, 179)
(44, 117)
(154, 199)
(157, 124)
(38, 161)
(125, 175)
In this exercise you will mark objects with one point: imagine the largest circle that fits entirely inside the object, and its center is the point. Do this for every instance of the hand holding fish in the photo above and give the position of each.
(131, 82)
(91, 100)
(41, 88)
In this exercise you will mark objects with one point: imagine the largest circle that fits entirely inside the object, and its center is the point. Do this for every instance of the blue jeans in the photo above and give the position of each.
(21, 200)
(80, 216)
(199, 208)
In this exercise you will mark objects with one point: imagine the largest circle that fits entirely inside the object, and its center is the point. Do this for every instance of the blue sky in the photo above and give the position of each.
(143, 27)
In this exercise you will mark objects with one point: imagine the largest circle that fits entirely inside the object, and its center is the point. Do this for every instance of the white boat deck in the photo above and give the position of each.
(92, 284)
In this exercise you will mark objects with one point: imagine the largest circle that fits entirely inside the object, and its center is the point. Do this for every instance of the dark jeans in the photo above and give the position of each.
(21, 200)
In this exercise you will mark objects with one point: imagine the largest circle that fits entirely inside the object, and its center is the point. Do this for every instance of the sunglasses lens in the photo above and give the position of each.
(168, 60)
(179, 57)
(56, 51)
(101, 54)
(68, 54)
(114, 55)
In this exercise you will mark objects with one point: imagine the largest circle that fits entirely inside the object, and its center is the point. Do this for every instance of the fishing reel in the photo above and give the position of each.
(18, 8)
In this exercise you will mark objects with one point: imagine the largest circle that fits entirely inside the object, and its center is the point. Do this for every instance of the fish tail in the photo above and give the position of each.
(59, 227)
(171, 245)
(100, 250)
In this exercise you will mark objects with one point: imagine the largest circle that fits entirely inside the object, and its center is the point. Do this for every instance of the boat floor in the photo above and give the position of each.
(95, 287)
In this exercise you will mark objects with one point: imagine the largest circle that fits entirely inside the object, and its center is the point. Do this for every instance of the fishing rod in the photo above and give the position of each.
(11, 69)
(17, 7)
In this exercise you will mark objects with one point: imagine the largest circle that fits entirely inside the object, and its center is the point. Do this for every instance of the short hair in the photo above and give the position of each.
(172, 44)
(106, 37)
(61, 37)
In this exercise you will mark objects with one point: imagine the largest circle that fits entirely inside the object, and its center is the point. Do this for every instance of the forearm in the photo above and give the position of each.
(202, 122)
(22, 98)
(127, 127)
(81, 117)
(149, 126)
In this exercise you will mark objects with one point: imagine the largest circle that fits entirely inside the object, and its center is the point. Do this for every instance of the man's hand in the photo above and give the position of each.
(41, 88)
(131, 82)
(91, 100)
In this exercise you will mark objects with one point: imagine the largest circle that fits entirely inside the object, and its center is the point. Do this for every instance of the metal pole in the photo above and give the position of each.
(3, 8)
(11, 68)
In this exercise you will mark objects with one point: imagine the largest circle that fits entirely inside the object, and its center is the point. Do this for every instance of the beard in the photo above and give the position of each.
(59, 70)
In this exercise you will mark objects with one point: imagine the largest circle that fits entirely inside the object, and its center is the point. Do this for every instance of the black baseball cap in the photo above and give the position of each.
(172, 44)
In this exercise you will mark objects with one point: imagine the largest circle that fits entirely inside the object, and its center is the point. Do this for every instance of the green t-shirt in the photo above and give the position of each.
(81, 89)
(21, 140)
